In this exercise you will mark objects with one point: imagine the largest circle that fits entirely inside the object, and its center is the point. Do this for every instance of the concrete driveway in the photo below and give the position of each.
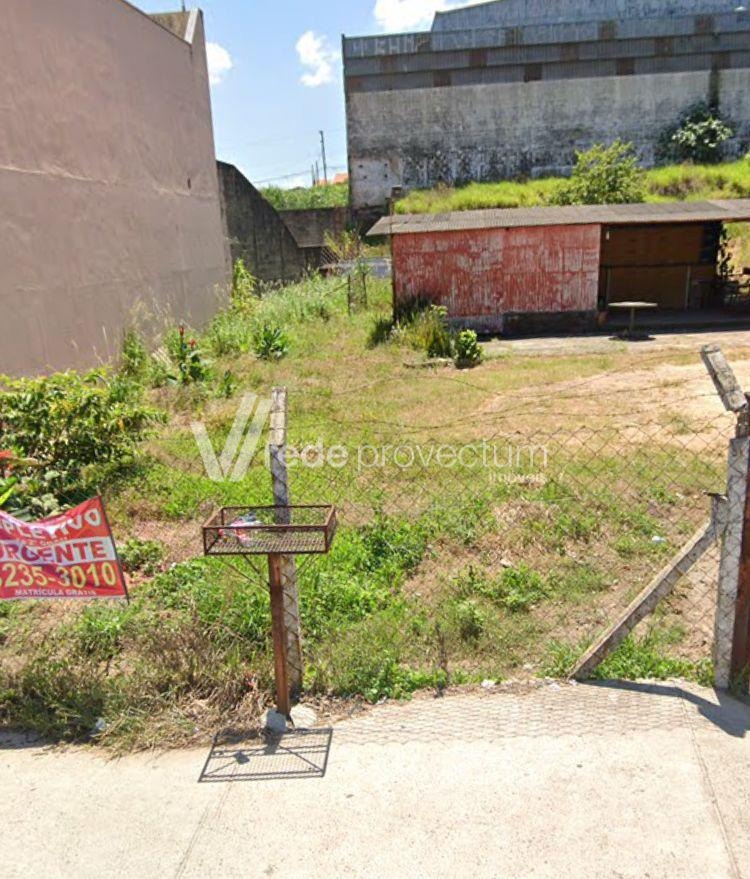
(563, 781)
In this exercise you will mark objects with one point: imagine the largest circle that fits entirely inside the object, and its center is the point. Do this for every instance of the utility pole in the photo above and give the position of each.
(317, 173)
(323, 150)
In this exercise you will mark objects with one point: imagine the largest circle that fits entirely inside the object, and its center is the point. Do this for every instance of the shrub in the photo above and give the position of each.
(300, 198)
(228, 334)
(604, 175)
(227, 385)
(469, 619)
(270, 342)
(424, 326)
(468, 351)
(244, 285)
(187, 357)
(521, 587)
(145, 556)
(134, 360)
(68, 421)
(698, 137)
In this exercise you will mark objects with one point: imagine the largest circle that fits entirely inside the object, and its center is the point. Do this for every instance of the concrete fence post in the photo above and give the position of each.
(286, 563)
(732, 624)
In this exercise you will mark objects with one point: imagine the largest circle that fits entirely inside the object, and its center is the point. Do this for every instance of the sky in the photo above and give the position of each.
(276, 77)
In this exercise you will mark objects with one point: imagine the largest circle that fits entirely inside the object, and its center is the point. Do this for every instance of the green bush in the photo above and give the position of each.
(468, 352)
(604, 175)
(469, 619)
(66, 422)
(424, 327)
(244, 287)
(187, 357)
(134, 360)
(301, 198)
(520, 588)
(270, 342)
(145, 556)
(698, 137)
(229, 333)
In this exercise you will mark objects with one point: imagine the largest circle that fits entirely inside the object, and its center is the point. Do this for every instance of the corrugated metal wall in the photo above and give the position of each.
(491, 272)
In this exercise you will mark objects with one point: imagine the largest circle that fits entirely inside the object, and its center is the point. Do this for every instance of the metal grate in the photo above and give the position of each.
(293, 530)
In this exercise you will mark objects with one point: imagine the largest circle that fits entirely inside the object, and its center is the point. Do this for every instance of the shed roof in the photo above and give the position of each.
(726, 210)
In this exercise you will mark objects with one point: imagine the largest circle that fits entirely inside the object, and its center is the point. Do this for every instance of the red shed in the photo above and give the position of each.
(529, 269)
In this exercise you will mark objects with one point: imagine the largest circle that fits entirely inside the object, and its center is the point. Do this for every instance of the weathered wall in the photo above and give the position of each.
(484, 275)
(108, 180)
(311, 226)
(513, 12)
(255, 230)
(499, 102)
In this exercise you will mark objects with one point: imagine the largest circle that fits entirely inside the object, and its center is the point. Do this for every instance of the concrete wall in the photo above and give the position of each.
(491, 132)
(255, 230)
(499, 102)
(108, 180)
(485, 276)
(514, 12)
(311, 226)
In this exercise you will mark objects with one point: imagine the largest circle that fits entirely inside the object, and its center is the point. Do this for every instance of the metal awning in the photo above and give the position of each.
(720, 210)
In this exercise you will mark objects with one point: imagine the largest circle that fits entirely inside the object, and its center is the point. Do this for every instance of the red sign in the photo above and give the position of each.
(72, 555)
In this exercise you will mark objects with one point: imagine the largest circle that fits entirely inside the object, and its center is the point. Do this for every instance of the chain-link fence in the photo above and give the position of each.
(536, 540)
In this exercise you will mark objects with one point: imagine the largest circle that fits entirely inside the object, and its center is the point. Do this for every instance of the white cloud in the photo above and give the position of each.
(316, 54)
(219, 62)
(402, 15)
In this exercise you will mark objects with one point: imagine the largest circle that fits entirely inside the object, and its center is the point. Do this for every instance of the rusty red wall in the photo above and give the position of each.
(486, 273)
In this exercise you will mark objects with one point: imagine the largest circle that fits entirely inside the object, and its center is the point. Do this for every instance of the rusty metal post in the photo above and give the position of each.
(283, 703)
(287, 564)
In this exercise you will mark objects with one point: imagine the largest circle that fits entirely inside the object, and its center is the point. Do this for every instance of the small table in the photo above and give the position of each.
(633, 308)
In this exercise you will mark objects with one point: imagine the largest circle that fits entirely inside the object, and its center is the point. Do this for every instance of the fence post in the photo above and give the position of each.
(286, 563)
(740, 662)
(732, 625)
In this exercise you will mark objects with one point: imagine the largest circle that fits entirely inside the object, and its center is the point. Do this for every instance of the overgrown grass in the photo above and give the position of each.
(639, 657)
(673, 182)
(438, 575)
(303, 198)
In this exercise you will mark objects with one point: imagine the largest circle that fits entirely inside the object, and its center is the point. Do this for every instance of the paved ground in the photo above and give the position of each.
(595, 780)
(606, 342)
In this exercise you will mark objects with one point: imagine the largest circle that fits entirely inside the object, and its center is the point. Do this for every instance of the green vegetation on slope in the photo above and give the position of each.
(332, 195)
(672, 182)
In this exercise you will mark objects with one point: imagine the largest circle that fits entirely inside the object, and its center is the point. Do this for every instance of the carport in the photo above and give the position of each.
(559, 268)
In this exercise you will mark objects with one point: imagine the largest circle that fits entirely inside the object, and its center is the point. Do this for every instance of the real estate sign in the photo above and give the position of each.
(72, 555)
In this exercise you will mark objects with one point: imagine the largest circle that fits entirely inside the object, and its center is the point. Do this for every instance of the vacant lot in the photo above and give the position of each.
(571, 474)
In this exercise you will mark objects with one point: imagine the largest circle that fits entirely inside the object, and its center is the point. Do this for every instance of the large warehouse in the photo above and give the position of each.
(515, 87)
(534, 269)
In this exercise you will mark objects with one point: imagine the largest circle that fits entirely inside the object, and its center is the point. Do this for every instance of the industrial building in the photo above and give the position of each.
(516, 87)
(557, 268)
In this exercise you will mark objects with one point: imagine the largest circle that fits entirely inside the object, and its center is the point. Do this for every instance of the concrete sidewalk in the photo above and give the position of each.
(619, 780)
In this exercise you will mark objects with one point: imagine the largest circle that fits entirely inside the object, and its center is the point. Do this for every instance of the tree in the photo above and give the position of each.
(604, 175)
(698, 137)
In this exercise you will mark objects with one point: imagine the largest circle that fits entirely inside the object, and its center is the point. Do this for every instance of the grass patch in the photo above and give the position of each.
(670, 183)
(645, 657)
(438, 575)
